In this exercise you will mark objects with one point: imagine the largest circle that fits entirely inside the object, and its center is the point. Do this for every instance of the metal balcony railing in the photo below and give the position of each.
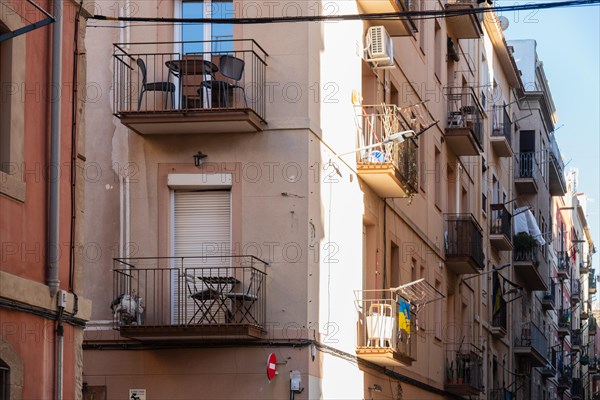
(564, 319)
(464, 238)
(499, 318)
(555, 155)
(576, 338)
(526, 166)
(465, 111)
(501, 223)
(550, 295)
(576, 387)
(530, 254)
(186, 291)
(377, 123)
(501, 125)
(575, 289)
(386, 321)
(464, 365)
(199, 76)
(565, 377)
(531, 336)
(563, 262)
(592, 325)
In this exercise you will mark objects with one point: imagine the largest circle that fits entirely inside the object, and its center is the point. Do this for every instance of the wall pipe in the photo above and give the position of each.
(54, 166)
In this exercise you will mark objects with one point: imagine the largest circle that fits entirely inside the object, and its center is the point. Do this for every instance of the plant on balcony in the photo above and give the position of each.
(524, 241)
(450, 371)
(584, 360)
(459, 369)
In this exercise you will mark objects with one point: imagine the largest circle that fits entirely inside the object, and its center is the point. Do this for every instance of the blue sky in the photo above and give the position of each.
(568, 44)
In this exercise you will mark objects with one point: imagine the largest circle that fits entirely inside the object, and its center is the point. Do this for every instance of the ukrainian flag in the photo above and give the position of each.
(404, 316)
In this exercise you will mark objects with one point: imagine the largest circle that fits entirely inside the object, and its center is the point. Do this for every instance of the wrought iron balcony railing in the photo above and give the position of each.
(501, 223)
(189, 292)
(464, 365)
(465, 111)
(463, 239)
(386, 335)
(184, 77)
(526, 166)
(377, 123)
(531, 336)
(501, 125)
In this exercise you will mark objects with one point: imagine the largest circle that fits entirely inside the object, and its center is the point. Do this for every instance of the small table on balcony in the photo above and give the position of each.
(213, 300)
(190, 67)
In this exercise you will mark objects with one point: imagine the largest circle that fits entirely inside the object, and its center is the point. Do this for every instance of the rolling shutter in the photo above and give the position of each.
(201, 227)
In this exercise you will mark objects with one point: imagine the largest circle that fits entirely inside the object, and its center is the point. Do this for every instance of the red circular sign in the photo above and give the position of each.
(271, 366)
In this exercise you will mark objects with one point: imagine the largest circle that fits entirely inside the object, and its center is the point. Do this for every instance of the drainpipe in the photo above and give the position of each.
(54, 167)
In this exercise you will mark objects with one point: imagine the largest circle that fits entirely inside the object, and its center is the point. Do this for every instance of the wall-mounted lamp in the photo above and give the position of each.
(199, 158)
(376, 387)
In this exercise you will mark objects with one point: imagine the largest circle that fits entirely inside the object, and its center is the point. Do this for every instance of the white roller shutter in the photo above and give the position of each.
(201, 227)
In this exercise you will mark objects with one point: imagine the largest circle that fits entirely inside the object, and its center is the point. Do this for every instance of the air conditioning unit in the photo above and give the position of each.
(379, 48)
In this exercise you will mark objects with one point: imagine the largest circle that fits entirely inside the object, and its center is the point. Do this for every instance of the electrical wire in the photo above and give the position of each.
(405, 15)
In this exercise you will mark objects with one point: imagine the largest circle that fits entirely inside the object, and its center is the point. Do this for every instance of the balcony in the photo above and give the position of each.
(584, 267)
(404, 26)
(565, 377)
(564, 322)
(592, 326)
(391, 169)
(464, 132)
(501, 138)
(577, 392)
(592, 283)
(463, 244)
(528, 262)
(557, 184)
(576, 339)
(549, 370)
(189, 299)
(526, 173)
(158, 89)
(593, 365)
(499, 320)
(500, 227)
(584, 315)
(464, 369)
(531, 344)
(384, 333)
(575, 292)
(549, 299)
(460, 24)
(563, 267)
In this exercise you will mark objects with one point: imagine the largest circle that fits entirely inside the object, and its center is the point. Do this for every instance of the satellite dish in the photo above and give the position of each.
(503, 22)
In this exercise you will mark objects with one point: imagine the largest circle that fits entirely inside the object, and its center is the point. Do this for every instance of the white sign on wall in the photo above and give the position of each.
(137, 394)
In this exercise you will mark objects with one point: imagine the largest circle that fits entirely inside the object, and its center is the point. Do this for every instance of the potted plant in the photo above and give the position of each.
(524, 241)
(459, 369)
(450, 371)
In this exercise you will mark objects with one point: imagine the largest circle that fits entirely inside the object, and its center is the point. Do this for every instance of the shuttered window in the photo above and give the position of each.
(201, 227)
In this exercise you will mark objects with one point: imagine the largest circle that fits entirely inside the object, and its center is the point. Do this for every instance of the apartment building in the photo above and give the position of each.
(42, 307)
(335, 205)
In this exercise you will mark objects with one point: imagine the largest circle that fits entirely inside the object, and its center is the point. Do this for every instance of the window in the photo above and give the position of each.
(438, 178)
(438, 51)
(484, 188)
(421, 27)
(202, 32)
(12, 70)
(4, 380)
(438, 312)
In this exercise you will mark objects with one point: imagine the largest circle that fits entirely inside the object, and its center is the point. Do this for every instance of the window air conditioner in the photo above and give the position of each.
(379, 48)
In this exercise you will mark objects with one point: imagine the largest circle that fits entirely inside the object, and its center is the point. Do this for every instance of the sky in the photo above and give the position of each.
(568, 43)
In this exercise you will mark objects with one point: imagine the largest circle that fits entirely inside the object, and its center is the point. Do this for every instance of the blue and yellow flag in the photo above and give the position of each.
(404, 315)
